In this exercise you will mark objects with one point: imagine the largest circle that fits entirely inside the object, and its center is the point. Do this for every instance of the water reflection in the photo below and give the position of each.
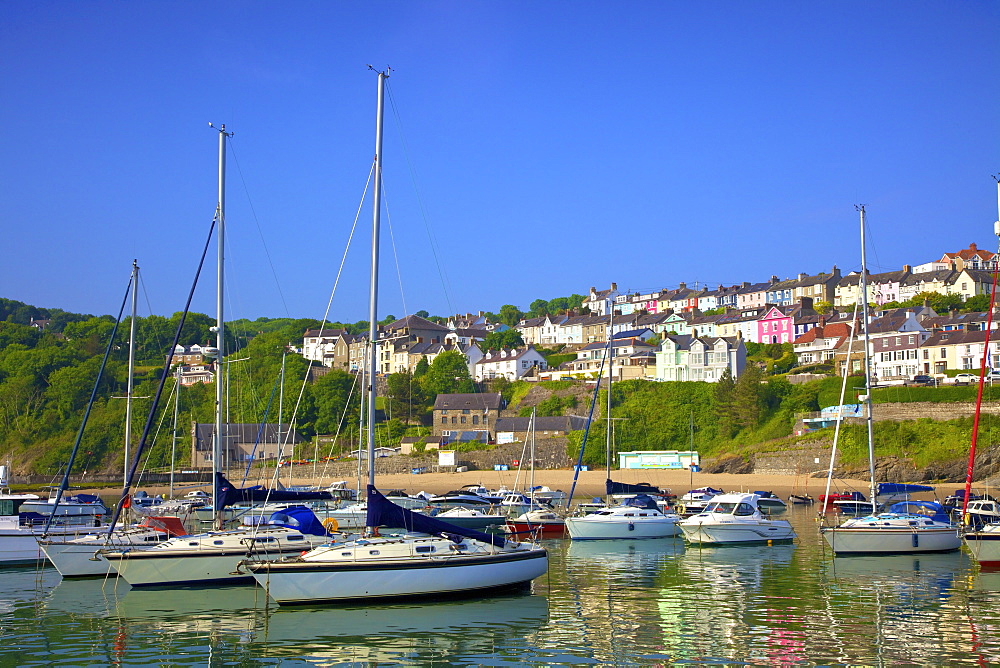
(602, 602)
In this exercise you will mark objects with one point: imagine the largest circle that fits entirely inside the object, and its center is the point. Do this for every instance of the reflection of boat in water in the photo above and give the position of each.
(911, 580)
(461, 626)
(728, 568)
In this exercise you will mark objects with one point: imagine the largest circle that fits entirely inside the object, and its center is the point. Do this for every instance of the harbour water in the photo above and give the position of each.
(653, 602)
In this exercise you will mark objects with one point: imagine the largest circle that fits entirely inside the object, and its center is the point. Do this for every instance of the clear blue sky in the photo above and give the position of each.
(548, 146)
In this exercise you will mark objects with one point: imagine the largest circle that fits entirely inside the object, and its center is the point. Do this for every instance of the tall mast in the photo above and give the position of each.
(611, 376)
(220, 330)
(373, 306)
(867, 359)
(131, 366)
(173, 447)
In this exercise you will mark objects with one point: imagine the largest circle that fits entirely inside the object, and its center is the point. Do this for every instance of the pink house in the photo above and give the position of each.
(775, 327)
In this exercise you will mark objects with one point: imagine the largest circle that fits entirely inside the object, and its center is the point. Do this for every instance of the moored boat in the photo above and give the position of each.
(735, 519)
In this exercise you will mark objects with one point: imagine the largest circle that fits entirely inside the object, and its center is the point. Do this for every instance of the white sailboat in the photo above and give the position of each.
(890, 532)
(211, 558)
(431, 557)
(638, 517)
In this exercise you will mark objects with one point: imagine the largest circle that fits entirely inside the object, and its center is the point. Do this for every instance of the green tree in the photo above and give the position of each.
(822, 307)
(724, 404)
(407, 400)
(977, 304)
(510, 315)
(448, 374)
(748, 397)
(422, 367)
(497, 340)
(538, 308)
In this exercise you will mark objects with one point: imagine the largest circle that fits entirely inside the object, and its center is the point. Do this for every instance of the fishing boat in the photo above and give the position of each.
(735, 519)
(429, 557)
(898, 531)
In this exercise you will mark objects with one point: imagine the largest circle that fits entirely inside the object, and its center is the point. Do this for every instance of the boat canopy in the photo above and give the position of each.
(298, 517)
(384, 513)
(226, 494)
(939, 512)
(641, 501)
(613, 487)
(902, 488)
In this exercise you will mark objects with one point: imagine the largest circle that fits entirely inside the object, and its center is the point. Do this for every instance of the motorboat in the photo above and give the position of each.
(735, 519)
(211, 558)
(901, 530)
(79, 556)
(981, 512)
(769, 502)
(459, 497)
(801, 499)
(639, 517)
(472, 518)
(544, 522)
(696, 500)
(19, 530)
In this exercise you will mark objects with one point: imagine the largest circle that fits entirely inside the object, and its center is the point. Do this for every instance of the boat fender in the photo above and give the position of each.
(631, 526)
(330, 524)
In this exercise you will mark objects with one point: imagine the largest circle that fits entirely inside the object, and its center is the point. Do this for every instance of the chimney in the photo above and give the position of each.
(972, 247)
(907, 268)
(802, 276)
(682, 286)
(614, 286)
(774, 279)
(745, 284)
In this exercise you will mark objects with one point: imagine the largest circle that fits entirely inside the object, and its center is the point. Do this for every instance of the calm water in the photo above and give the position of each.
(602, 603)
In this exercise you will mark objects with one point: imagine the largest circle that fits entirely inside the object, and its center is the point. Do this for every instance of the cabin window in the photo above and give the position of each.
(743, 510)
(425, 548)
(373, 552)
(195, 544)
(295, 538)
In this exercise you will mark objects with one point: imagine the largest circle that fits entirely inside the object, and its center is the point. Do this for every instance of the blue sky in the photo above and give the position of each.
(532, 149)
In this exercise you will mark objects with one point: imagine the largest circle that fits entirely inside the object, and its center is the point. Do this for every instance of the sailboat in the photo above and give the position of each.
(984, 543)
(211, 558)
(430, 557)
(78, 556)
(636, 517)
(899, 530)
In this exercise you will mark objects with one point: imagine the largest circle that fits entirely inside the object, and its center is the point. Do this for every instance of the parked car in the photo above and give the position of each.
(966, 378)
(993, 374)
(921, 379)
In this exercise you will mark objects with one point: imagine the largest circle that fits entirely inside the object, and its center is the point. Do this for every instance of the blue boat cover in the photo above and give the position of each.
(642, 501)
(625, 488)
(901, 488)
(384, 513)
(298, 517)
(940, 514)
(226, 494)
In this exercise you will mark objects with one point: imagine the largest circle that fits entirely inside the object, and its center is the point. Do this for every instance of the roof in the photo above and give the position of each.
(492, 401)
(416, 322)
(326, 332)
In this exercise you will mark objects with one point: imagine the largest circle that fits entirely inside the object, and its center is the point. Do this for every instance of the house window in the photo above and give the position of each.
(444, 420)
(453, 421)
(463, 419)
(465, 411)
(475, 419)
(944, 352)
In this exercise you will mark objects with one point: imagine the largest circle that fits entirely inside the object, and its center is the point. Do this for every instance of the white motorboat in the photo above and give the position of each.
(735, 519)
(769, 502)
(896, 531)
(433, 558)
(696, 500)
(80, 556)
(625, 521)
(19, 531)
(471, 518)
(209, 559)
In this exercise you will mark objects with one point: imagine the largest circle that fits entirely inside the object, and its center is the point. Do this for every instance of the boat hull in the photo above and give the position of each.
(544, 529)
(149, 568)
(715, 533)
(291, 583)
(985, 547)
(891, 540)
(596, 527)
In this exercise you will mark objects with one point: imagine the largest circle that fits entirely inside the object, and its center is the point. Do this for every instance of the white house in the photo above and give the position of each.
(510, 364)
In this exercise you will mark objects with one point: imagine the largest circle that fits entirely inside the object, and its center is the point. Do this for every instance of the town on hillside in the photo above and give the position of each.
(692, 334)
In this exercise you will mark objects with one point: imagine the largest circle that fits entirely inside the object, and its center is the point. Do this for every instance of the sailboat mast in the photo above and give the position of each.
(173, 446)
(373, 306)
(131, 366)
(220, 332)
(867, 359)
(611, 376)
